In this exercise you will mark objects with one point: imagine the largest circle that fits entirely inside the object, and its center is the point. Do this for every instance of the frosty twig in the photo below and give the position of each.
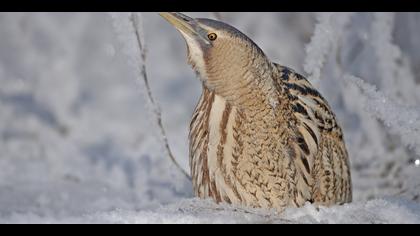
(400, 119)
(134, 18)
(327, 31)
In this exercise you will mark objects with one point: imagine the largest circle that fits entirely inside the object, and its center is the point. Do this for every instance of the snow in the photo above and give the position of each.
(79, 143)
(196, 211)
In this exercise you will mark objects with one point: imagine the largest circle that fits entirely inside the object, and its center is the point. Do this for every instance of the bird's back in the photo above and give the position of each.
(274, 157)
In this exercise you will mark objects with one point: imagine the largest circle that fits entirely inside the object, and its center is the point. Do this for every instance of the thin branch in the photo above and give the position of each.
(134, 18)
(327, 32)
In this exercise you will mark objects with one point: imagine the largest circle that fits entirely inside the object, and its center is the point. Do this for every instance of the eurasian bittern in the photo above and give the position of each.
(261, 135)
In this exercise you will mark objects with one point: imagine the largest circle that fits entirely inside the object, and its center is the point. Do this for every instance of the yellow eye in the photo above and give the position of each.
(212, 36)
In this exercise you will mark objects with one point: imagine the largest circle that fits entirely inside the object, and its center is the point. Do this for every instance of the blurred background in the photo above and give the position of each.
(76, 135)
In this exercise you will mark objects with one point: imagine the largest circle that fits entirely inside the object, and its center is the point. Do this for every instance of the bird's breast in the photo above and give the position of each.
(212, 143)
(225, 149)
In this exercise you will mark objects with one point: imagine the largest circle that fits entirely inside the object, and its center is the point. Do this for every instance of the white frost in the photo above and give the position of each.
(326, 36)
(398, 118)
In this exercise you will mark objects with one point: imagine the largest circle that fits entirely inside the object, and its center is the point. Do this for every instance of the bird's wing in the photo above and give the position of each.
(306, 100)
(313, 119)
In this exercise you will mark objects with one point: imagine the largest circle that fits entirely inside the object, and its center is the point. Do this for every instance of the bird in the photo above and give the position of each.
(261, 136)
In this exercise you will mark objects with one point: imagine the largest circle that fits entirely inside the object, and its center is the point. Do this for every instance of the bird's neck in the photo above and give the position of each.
(246, 84)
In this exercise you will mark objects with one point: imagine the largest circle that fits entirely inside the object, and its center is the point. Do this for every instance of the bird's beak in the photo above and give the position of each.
(186, 25)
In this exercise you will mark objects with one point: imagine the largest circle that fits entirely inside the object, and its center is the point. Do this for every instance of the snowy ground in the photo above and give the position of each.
(195, 211)
(78, 144)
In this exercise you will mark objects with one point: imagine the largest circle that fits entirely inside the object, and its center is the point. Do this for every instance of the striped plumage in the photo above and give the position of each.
(261, 135)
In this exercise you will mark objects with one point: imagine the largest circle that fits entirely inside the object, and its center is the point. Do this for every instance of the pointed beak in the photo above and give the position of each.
(186, 25)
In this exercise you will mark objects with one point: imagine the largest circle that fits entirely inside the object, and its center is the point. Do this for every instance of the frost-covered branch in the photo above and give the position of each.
(391, 66)
(326, 35)
(401, 120)
(130, 30)
(386, 53)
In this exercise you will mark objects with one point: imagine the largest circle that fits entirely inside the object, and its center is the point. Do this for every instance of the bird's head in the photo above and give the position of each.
(216, 50)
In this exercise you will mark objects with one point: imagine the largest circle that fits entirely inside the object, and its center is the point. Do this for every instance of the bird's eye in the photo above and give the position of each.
(212, 36)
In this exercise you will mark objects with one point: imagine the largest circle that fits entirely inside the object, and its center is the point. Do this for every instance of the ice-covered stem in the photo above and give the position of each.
(137, 30)
(401, 120)
(386, 53)
(328, 30)
(397, 79)
(137, 26)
